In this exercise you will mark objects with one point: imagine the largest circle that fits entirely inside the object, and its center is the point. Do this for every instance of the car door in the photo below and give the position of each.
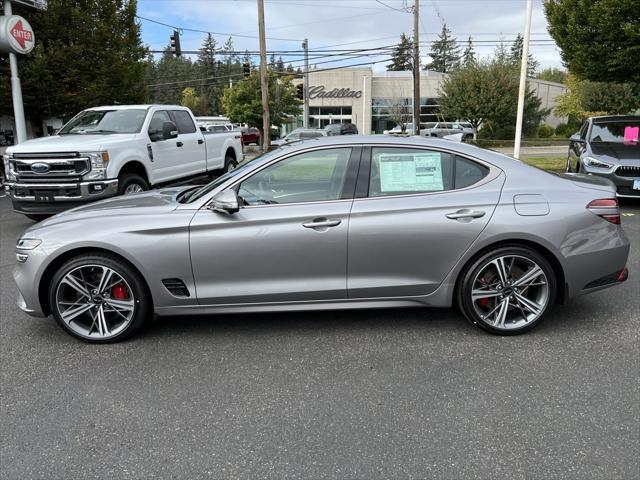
(190, 142)
(415, 213)
(165, 154)
(288, 241)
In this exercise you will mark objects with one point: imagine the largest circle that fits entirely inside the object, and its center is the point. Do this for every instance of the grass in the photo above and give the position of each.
(552, 164)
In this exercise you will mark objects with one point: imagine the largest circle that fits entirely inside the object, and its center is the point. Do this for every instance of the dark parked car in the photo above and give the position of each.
(251, 135)
(341, 129)
(608, 146)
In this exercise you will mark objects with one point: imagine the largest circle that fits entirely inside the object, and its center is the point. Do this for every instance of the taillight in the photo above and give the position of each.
(606, 208)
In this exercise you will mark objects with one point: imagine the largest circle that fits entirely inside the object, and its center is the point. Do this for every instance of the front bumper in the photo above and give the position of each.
(624, 184)
(50, 198)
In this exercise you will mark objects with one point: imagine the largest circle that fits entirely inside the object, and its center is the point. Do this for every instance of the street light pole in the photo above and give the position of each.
(264, 80)
(523, 79)
(16, 89)
(305, 45)
(416, 68)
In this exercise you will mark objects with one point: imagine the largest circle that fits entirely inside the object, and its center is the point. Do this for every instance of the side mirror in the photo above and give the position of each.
(225, 202)
(169, 130)
(576, 138)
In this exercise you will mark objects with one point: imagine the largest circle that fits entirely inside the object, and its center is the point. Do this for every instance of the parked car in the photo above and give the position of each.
(442, 129)
(220, 128)
(341, 129)
(409, 130)
(607, 146)
(107, 151)
(299, 134)
(341, 222)
(468, 130)
(251, 135)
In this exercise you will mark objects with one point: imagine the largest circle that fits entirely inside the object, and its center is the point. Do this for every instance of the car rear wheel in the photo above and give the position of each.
(99, 298)
(507, 290)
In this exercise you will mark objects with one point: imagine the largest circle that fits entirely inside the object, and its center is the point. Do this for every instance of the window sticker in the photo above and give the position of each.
(631, 134)
(410, 172)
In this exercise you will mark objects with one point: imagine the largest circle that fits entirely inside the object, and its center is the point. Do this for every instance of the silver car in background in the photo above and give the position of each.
(331, 223)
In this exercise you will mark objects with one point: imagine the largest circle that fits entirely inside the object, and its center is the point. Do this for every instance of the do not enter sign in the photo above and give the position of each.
(16, 35)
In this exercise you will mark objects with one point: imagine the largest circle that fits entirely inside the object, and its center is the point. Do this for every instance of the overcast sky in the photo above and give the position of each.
(346, 24)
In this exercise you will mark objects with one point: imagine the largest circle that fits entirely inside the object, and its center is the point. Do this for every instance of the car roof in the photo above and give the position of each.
(131, 107)
(613, 118)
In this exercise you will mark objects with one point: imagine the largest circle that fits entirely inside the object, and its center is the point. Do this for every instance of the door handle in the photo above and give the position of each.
(465, 213)
(200, 141)
(322, 222)
(179, 144)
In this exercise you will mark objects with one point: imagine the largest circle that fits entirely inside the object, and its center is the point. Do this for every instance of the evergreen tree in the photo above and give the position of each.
(280, 65)
(272, 61)
(515, 55)
(501, 52)
(469, 55)
(445, 53)
(290, 69)
(402, 56)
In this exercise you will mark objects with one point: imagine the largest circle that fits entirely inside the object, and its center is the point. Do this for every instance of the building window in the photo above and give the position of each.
(381, 118)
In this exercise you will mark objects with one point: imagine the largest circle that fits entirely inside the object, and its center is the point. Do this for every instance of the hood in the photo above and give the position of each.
(69, 143)
(617, 153)
(124, 207)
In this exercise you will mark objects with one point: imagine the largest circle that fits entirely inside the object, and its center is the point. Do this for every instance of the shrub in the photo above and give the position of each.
(565, 130)
(545, 131)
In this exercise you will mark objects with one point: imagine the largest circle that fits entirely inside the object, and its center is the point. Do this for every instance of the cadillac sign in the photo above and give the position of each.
(320, 91)
(16, 35)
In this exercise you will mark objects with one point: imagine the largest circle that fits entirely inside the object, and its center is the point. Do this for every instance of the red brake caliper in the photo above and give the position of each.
(119, 291)
(483, 302)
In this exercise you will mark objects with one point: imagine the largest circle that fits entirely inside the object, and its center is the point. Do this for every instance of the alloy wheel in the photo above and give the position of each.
(510, 292)
(95, 302)
(133, 188)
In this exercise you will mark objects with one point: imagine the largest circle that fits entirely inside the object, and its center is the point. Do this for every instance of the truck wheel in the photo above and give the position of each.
(131, 183)
(230, 163)
(36, 218)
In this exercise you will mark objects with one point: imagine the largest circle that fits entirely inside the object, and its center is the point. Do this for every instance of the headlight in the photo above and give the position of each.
(28, 243)
(8, 169)
(99, 162)
(595, 163)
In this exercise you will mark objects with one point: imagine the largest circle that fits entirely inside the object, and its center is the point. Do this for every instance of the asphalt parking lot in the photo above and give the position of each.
(366, 394)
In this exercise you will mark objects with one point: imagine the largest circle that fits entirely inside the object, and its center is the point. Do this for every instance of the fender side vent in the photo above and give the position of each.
(176, 287)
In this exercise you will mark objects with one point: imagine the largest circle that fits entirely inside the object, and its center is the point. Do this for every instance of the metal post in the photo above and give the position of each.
(523, 79)
(364, 103)
(264, 80)
(16, 90)
(305, 121)
(416, 68)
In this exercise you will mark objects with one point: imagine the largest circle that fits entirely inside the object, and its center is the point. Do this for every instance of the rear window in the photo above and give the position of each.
(183, 121)
(467, 172)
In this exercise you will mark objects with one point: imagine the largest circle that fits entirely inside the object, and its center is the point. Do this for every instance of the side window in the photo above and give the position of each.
(467, 172)
(158, 118)
(308, 177)
(183, 121)
(583, 130)
(403, 171)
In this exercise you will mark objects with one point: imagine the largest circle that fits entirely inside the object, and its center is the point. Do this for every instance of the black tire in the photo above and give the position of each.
(569, 169)
(35, 217)
(469, 273)
(127, 180)
(229, 163)
(143, 307)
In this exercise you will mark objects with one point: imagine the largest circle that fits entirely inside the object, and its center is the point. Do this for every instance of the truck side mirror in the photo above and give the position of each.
(225, 202)
(169, 130)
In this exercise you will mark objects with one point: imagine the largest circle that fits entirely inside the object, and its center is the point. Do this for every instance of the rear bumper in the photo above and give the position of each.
(61, 196)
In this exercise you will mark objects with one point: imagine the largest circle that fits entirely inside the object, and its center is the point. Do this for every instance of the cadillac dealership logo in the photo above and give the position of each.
(39, 168)
(320, 92)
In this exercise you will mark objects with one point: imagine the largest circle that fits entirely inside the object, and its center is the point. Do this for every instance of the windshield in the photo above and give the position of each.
(105, 122)
(623, 132)
(197, 194)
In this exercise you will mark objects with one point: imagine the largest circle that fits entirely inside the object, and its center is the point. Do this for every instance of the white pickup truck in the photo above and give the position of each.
(107, 151)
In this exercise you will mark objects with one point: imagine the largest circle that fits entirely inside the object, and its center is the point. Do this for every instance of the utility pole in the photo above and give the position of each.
(16, 89)
(416, 68)
(523, 79)
(305, 45)
(264, 80)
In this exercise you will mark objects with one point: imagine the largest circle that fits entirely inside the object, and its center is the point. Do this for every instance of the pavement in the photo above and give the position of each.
(405, 393)
(541, 151)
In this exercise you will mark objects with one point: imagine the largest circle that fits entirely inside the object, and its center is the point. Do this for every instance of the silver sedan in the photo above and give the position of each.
(331, 223)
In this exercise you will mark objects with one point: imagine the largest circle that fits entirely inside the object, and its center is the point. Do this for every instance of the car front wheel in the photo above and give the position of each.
(507, 290)
(99, 298)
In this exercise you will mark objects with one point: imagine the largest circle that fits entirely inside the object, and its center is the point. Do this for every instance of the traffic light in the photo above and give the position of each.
(246, 69)
(300, 91)
(175, 43)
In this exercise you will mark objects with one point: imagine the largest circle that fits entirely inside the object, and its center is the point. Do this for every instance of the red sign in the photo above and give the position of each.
(21, 34)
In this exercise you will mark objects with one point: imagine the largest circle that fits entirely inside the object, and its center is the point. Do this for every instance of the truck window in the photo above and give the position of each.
(159, 117)
(183, 121)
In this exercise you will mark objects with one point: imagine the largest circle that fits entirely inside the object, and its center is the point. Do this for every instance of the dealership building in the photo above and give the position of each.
(363, 97)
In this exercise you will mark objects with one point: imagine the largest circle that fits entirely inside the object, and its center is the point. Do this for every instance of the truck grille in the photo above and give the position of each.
(628, 171)
(64, 165)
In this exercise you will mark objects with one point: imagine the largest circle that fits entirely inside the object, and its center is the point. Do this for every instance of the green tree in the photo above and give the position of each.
(243, 102)
(402, 56)
(552, 75)
(469, 54)
(189, 98)
(599, 39)
(486, 94)
(515, 56)
(444, 53)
